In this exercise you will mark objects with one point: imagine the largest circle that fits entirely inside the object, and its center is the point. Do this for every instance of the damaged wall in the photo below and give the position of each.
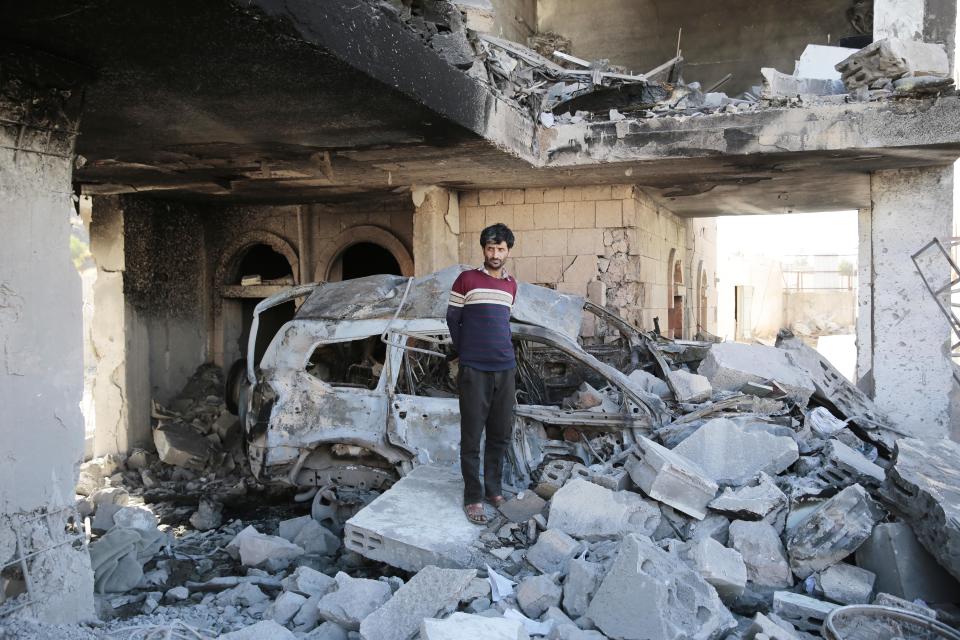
(718, 38)
(41, 337)
(611, 244)
(515, 19)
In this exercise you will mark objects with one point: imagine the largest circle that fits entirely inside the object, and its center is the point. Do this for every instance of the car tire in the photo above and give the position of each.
(235, 380)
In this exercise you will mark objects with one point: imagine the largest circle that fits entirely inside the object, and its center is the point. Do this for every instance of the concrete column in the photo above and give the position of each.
(864, 371)
(436, 229)
(909, 337)
(41, 333)
(121, 388)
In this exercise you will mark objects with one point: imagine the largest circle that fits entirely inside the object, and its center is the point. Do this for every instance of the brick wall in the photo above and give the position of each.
(612, 244)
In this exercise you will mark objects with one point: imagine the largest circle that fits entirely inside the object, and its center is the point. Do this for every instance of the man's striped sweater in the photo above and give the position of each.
(478, 316)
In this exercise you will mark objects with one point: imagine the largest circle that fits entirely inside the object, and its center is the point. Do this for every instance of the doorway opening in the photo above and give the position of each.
(261, 272)
(363, 259)
(675, 312)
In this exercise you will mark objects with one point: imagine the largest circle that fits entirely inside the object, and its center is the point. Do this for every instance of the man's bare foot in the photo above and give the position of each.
(475, 513)
(496, 501)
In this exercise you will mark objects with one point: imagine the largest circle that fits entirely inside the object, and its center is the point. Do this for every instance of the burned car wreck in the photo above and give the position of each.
(357, 388)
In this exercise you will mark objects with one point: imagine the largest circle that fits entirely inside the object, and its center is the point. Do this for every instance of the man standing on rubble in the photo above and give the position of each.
(478, 316)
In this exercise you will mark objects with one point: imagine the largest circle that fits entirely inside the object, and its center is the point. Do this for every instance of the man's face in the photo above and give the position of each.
(495, 255)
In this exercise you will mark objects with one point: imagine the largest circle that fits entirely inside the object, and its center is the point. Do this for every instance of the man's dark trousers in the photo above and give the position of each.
(486, 400)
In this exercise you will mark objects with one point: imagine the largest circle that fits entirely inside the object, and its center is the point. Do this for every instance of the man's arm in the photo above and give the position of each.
(455, 312)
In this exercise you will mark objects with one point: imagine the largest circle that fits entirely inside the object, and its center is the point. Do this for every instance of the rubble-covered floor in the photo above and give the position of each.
(774, 494)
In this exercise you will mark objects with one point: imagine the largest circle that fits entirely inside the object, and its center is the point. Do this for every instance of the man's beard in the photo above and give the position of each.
(489, 264)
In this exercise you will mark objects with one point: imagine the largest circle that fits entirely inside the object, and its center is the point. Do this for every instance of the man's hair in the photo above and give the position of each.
(495, 234)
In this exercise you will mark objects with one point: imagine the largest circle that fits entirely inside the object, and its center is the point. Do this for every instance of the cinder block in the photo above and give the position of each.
(549, 269)
(566, 215)
(524, 269)
(533, 196)
(585, 241)
(609, 213)
(469, 198)
(545, 215)
(581, 269)
(490, 196)
(555, 242)
(571, 194)
(513, 196)
(553, 195)
(522, 217)
(473, 219)
(597, 293)
(672, 479)
(599, 192)
(500, 213)
(532, 244)
(584, 215)
(621, 191)
(576, 288)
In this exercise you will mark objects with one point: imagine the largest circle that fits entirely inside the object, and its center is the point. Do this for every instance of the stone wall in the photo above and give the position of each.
(612, 244)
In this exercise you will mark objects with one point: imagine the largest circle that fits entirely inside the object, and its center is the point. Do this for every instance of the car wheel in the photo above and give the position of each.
(236, 378)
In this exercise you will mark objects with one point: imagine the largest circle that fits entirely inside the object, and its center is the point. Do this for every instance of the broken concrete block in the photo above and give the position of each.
(924, 484)
(354, 600)
(730, 365)
(180, 445)
(176, 594)
(903, 567)
(845, 583)
(650, 383)
(616, 479)
(263, 630)
(431, 593)
(257, 549)
(117, 558)
(465, 626)
(721, 567)
(843, 466)
(313, 537)
(637, 599)
(583, 579)
(285, 607)
(760, 547)
(893, 58)
(781, 85)
(769, 629)
(690, 387)
(732, 454)
(888, 600)
(553, 551)
(671, 478)
(553, 476)
(583, 509)
(524, 506)
(390, 529)
(761, 499)
(806, 614)
(832, 532)
(288, 529)
(245, 594)
(209, 515)
(309, 617)
(135, 518)
(536, 594)
(309, 582)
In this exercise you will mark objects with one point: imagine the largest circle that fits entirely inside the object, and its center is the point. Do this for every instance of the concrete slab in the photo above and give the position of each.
(730, 365)
(903, 567)
(465, 626)
(393, 529)
(671, 478)
(586, 510)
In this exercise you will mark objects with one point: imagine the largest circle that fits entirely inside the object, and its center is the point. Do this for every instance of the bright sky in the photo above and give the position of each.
(832, 232)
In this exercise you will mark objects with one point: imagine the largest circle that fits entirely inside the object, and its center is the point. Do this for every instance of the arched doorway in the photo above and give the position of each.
(674, 296)
(253, 267)
(363, 259)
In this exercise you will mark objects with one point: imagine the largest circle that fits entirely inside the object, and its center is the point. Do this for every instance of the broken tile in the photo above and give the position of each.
(431, 593)
(637, 599)
(832, 532)
(903, 567)
(924, 484)
(586, 510)
(731, 454)
(354, 600)
(760, 547)
(670, 478)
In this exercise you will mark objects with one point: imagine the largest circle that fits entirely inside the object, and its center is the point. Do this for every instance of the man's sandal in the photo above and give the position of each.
(475, 513)
(496, 501)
